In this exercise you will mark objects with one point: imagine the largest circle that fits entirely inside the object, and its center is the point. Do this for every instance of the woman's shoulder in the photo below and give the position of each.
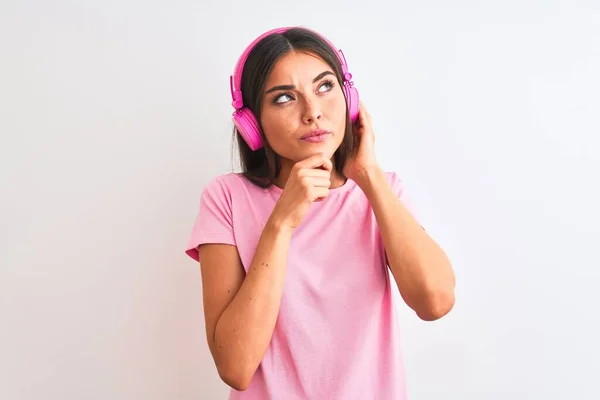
(230, 184)
(228, 180)
(393, 176)
(395, 182)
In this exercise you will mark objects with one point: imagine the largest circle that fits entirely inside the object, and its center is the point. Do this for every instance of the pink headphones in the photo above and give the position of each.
(246, 122)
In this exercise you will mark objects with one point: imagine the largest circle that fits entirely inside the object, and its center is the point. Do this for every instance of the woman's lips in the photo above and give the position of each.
(316, 137)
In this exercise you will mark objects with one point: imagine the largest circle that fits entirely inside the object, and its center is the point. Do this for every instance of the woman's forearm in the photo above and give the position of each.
(245, 328)
(420, 267)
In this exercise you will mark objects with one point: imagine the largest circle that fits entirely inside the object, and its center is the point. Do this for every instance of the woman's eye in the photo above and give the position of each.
(282, 99)
(327, 85)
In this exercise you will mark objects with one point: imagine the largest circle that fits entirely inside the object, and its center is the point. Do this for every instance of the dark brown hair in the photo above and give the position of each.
(261, 167)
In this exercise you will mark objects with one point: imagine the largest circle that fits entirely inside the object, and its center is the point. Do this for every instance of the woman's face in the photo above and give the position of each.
(303, 97)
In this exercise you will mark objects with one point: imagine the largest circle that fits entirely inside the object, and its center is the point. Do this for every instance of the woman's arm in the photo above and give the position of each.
(420, 267)
(241, 310)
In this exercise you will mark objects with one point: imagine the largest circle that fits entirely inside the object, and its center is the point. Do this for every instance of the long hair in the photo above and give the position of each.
(263, 166)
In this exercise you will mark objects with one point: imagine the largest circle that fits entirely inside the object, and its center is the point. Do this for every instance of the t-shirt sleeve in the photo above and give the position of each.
(214, 221)
(401, 192)
(398, 188)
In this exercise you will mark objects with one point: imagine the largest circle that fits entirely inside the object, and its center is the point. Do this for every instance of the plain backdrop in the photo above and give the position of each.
(115, 114)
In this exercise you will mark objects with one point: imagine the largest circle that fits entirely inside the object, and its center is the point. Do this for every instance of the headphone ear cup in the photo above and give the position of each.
(353, 101)
(247, 125)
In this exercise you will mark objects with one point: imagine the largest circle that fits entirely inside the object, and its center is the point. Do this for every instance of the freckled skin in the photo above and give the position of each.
(309, 106)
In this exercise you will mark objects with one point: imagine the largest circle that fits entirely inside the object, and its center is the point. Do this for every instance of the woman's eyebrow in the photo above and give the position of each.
(290, 87)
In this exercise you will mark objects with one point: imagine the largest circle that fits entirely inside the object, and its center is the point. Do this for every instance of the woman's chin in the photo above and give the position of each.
(327, 147)
(306, 150)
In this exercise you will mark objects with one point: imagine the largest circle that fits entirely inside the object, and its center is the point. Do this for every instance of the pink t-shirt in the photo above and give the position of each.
(336, 335)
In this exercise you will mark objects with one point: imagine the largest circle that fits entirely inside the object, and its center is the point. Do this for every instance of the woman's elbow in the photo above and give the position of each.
(437, 305)
(236, 378)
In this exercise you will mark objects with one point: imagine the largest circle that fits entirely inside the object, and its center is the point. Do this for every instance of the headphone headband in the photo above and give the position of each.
(235, 80)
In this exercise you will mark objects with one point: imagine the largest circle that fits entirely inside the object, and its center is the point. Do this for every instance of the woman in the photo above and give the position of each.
(294, 252)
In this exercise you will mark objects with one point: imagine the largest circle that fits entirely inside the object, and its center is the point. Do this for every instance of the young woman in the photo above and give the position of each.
(294, 252)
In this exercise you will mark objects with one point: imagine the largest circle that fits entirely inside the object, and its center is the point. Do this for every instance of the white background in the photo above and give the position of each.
(114, 114)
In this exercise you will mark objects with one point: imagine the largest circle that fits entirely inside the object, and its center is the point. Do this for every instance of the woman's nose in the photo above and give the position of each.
(312, 112)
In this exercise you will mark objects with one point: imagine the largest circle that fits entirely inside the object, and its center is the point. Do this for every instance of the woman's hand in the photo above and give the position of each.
(309, 181)
(362, 157)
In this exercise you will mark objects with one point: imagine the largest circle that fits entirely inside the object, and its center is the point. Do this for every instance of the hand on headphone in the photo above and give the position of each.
(362, 157)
